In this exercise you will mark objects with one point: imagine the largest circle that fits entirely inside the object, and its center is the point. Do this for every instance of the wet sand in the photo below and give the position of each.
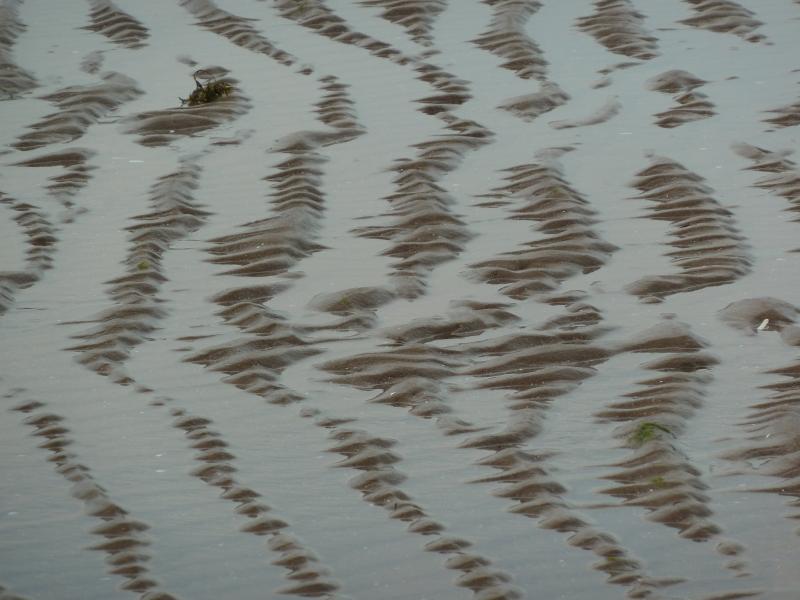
(472, 299)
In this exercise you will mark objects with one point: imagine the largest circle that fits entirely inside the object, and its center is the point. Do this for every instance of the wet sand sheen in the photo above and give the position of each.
(580, 228)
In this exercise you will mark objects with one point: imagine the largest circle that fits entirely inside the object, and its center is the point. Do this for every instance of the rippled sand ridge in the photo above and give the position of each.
(399, 299)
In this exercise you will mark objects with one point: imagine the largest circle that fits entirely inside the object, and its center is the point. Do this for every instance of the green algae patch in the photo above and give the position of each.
(646, 432)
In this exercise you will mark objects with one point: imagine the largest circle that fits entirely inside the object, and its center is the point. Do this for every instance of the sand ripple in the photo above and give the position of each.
(492, 298)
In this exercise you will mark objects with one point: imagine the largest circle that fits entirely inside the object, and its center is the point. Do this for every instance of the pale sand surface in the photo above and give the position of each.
(446, 299)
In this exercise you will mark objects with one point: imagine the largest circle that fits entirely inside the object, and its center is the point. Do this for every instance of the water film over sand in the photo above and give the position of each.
(399, 299)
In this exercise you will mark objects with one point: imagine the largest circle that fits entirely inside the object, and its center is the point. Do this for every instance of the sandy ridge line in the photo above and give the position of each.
(13, 79)
(136, 311)
(117, 25)
(237, 29)
(536, 365)
(605, 113)
(124, 539)
(787, 115)
(537, 495)
(692, 105)
(507, 38)
(379, 484)
(420, 392)
(253, 318)
(424, 232)
(65, 187)
(40, 242)
(308, 577)
(709, 250)
(465, 318)
(315, 15)
(130, 322)
(567, 244)
(657, 475)
(782, 178)
(539, 367)
(40, 231)
(253, 363)
(725, 16)
(415, 16)
(80, 106)
(411, 376)
(354, 308)
(772, 435)
(271, 247)
(398, 367)
(618, 26)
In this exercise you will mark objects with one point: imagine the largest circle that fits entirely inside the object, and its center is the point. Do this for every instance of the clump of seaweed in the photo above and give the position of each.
(203, 94)
(647, 431)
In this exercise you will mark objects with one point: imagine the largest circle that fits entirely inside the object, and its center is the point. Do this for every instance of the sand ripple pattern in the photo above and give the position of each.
(80, 106)
(40, 239)
(507, 39)
(777, 448)
(308, 577)
(771, 441)
(618, 26)
(137, 308)
(489, 299)
(425, 232)
(657, 475)
(132, 321)
(379, 482)
(122, 537)
(316, 16)
(692, 105)
(161, 127)
(539, 192)
(64, 188)
(537, 367)
(785, 116)
(415, 16)
(725, 16)
(709, 249)
(782, 178)
(270, 248)
(237, 29)
(117, 25)
(13, 79)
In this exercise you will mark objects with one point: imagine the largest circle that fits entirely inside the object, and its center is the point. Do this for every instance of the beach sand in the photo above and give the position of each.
(445, 299)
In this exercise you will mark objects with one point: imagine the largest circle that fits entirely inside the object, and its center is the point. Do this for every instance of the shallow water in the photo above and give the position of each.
(490, 299)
